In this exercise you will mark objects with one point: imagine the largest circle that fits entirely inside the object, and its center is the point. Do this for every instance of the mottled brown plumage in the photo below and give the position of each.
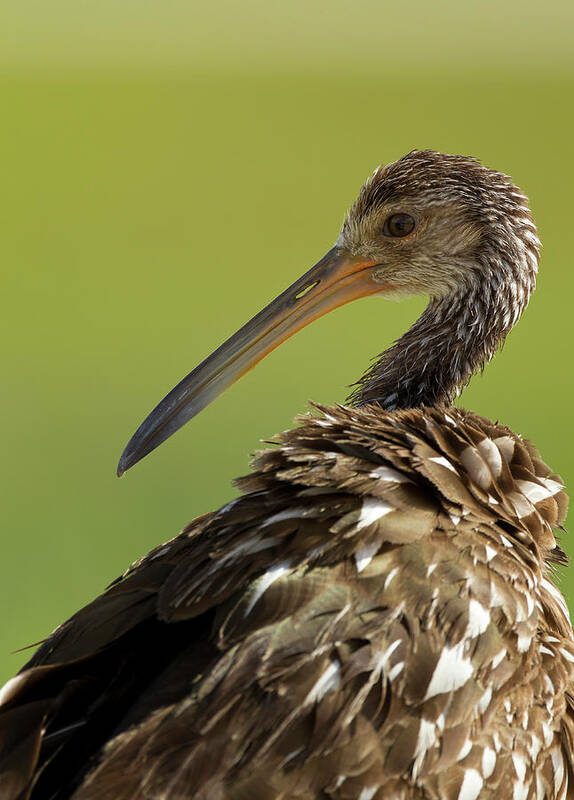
(375, 617)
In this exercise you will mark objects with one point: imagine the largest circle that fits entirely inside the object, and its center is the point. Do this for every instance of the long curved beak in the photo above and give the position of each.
(336, 279)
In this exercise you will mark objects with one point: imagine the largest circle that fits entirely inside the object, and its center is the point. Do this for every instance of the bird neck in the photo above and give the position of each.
(434, 360)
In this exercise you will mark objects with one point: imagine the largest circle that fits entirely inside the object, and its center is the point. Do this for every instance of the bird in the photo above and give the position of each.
(375, 617)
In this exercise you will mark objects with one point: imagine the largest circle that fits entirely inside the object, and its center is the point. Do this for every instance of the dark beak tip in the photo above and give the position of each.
(126, 462)
(258, 337)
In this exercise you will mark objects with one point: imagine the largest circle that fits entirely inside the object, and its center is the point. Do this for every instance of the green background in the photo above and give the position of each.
(167, 168)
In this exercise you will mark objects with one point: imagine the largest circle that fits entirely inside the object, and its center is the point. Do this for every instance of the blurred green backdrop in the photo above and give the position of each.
(167, 169)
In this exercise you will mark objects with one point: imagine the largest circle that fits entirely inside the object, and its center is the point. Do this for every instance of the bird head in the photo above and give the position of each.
(434, 224)
(429, 223)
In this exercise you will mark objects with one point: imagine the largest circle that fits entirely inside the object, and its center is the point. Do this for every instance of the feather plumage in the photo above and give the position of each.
(408, 642)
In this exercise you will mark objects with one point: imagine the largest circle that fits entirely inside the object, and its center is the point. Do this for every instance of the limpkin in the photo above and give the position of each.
(375, 617)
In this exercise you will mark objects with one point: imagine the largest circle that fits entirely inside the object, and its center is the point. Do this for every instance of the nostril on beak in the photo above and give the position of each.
(306, 290)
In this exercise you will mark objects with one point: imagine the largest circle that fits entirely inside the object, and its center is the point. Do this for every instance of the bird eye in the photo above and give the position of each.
(398, 225)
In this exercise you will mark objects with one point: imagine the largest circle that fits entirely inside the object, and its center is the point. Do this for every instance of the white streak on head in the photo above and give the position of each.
(368, 792)
(372, 510)
(451, 672)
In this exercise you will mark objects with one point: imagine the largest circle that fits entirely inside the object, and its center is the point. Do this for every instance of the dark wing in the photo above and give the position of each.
(314, 638)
